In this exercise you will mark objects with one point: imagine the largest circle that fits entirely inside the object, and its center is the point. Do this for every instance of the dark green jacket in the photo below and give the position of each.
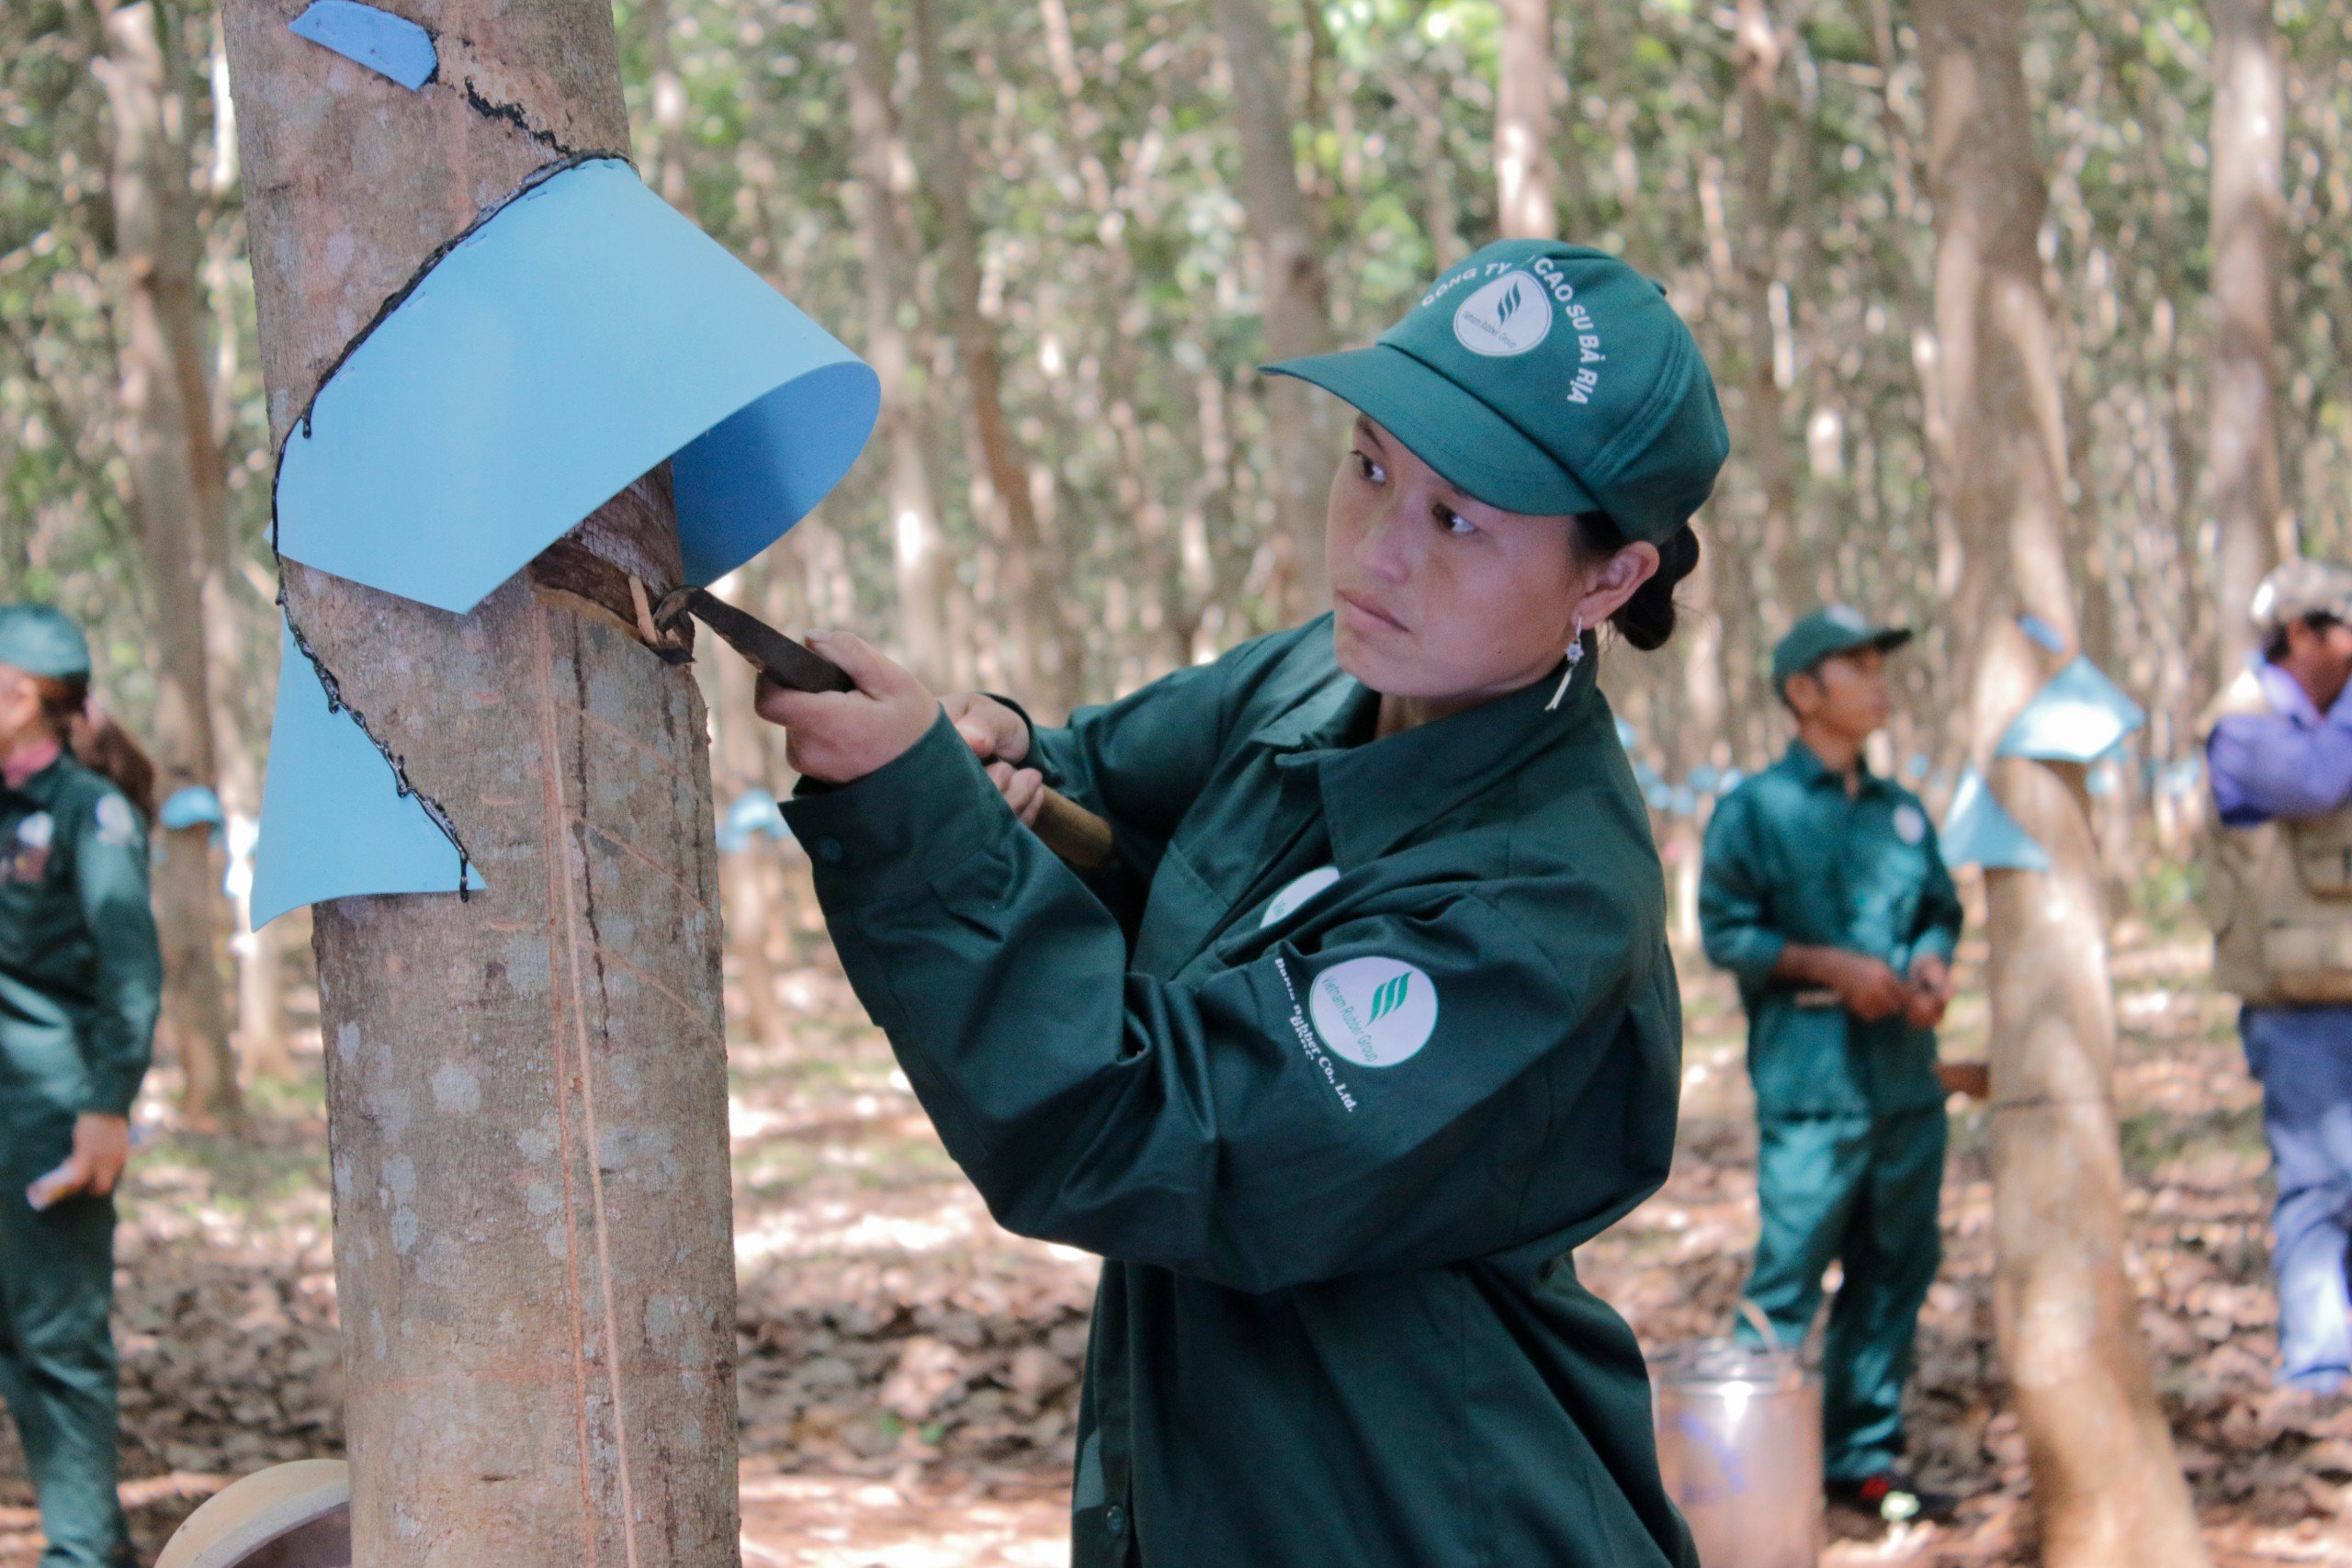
(81, 976)
(1336, 1159)
(1791, 857)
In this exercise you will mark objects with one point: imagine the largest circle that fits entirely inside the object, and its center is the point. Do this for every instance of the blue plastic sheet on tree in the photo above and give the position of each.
(195, 807)
(1978, 831)
(335, 822)
(754, 812)
(2079, 716)
(389, 45)
(568, 344)
(2045, 635)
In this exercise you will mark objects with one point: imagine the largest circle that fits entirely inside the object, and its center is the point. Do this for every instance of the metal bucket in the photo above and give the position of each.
(1740, 1441)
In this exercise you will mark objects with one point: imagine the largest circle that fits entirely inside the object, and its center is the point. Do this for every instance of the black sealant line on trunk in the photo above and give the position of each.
(434, 811)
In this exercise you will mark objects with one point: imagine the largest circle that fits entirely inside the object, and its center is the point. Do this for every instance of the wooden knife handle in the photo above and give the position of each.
(1073, 832)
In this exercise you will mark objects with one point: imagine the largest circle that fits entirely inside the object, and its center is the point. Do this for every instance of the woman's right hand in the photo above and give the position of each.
(998, 738)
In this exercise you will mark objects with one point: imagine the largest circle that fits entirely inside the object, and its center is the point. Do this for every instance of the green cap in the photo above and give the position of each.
(42, 640)
(1545, 377)
(1831, 630)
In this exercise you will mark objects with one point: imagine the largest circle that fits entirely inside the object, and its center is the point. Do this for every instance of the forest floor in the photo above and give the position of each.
(908, 1370)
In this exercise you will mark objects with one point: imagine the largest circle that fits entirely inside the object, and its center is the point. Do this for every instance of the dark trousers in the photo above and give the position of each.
(2303, 1056)
(1862, 1190)
(57, 1359)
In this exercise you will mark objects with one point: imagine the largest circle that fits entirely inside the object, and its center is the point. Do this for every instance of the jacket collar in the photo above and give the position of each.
(1809, 770)
(2287, 698)
(1379, 793)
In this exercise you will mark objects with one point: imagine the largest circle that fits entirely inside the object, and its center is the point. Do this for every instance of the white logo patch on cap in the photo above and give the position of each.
(1298, 891)
(1910, 824)
(1846, 618)
(1509, 316)
(1375, 1013)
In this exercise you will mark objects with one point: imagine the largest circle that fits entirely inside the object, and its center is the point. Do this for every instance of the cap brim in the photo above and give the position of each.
(1476, 450)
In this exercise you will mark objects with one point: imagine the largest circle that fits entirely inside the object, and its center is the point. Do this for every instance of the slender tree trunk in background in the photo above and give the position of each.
(178, 491)
(916, 548)
(2107, 1486)
(2249, 141)
(526, 1091)
(1758, 49)
(665, 153)
(1293, 302)
(740, 763)
(1023, 611)
(1525, 177)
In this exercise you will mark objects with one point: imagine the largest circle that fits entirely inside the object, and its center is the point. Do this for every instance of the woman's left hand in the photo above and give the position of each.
(837, 737)
(101, 1148)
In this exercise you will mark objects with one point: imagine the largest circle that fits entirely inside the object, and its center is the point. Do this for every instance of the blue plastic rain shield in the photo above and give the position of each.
(1979, 831)
(570, 342)
(2079, 716)
(389, 45)
(335, 822)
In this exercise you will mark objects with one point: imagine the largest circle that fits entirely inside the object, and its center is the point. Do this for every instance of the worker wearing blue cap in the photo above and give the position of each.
(81, 979)
(1824, 892)
(1371, 1021)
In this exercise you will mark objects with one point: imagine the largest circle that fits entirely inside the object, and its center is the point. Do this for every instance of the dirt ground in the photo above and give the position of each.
(908, 1370)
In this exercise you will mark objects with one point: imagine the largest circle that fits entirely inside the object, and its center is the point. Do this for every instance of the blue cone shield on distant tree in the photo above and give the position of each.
(1979, 831)
(577, 337)
(2078, 717)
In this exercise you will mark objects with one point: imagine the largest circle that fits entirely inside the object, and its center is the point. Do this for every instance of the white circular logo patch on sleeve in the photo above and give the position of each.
(1296, 892)
(1510, 315)
(1910, 824)
(1375, 1013)
(116, 824)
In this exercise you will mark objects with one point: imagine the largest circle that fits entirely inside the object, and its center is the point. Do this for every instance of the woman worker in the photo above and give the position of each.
(1372, 1021)
(81, 977)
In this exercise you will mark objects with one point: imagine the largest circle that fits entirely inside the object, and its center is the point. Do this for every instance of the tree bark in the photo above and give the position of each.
(1758, 49)
(918, 549)
(1293, 302)
(527, 1091)
(947, 181)
(2107, 1487)
(2249, 141)
(178, 492)
(1525, 177)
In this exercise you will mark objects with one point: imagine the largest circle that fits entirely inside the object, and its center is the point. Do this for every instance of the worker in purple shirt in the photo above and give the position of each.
(2277, 890)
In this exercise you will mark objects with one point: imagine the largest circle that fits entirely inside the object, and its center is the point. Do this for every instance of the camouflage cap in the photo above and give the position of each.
(2297, 590)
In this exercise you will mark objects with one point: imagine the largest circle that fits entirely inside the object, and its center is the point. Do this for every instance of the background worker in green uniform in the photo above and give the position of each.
(80, 976)
(1823, 890)
(1372, 1020)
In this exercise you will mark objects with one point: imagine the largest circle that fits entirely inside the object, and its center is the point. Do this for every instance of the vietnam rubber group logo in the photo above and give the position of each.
(1375, 1013)
(1509, 316)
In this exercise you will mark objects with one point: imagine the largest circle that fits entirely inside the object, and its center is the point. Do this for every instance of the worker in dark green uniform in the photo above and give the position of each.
(80, 976)
(1823, 890)
(1372, 1020)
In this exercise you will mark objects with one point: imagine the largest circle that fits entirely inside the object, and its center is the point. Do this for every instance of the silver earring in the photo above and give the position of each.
(1576, 657)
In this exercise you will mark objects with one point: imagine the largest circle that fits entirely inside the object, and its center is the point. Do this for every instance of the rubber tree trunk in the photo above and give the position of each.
(2249, 141)
(1294, 302)
(1024, 608)
(1525, 178)
(526, 1091)
(916, 548)
(2107, 1486)
(177, 493)
(1758, 46)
